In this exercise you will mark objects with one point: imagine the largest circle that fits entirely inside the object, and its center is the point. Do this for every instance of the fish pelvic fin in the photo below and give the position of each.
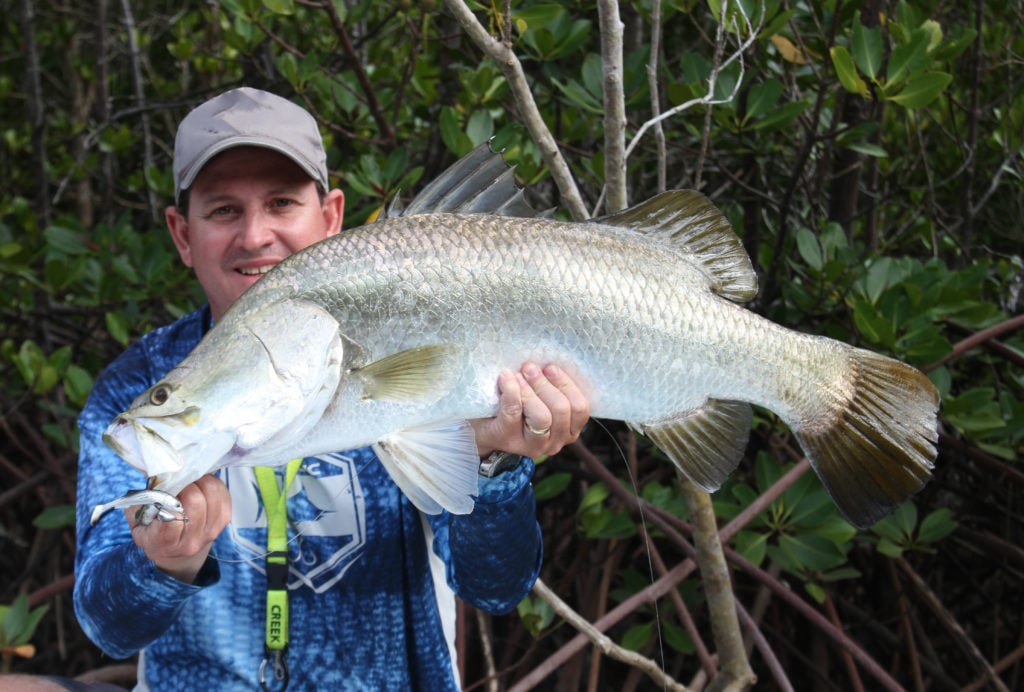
(705, 443)
(879, 450)
(416, 373)
(688, 221)
(435, 466)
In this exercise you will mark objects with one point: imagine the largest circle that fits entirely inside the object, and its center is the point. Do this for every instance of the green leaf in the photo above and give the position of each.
(551, 486)
(763, 97)
(908, 58)
(677, 638)
(56, 517)
(816, 591)
(637, 636)
(286, 7)
(117, 326)
(868, 50)
(922, 89)
(889, 548)
(65, 240)
(480, 127)
(936, 526)
(594, 496)
(847, 72)
(810, 250)
(868, 149)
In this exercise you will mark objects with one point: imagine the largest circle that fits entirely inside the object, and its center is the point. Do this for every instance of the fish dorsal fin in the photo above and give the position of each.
(436, 466)
(481, 182)
(705, 443)
(416, 373)
(688, 220)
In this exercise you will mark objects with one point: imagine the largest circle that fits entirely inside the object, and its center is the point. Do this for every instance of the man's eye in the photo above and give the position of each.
(223, 211)
(282, 202)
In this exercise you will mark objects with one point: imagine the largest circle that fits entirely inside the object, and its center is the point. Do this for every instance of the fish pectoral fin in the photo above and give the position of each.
(417, 373)
(690, 222)
(436, 466)
(705, 443)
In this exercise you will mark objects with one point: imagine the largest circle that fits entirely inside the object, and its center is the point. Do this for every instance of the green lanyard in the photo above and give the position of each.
(274, 503)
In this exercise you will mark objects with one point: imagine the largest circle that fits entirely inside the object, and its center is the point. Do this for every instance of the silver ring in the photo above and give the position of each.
(545, 431)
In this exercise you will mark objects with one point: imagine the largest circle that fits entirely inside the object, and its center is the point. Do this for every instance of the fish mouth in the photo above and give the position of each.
(142, 447)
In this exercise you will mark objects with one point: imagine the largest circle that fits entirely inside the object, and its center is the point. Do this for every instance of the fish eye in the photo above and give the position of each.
(159, 395)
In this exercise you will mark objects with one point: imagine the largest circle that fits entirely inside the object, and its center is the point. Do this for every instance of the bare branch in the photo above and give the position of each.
(614, 106)
(654, 88)
(510, 66)
(708, 99)
(602, 642)
(140, 99)
(714, 572)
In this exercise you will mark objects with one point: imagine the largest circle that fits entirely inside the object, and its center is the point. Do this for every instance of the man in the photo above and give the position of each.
(370, 580)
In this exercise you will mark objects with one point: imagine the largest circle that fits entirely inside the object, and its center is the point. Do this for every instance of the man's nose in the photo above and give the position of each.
(255, 232)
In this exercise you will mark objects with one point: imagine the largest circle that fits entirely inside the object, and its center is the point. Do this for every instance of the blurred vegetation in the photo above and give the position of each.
(870, 154)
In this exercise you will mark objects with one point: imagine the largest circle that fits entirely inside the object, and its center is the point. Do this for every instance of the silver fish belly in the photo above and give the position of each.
(394, 333)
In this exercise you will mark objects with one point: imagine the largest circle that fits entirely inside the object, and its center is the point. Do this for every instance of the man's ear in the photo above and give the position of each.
(177, 224)
(334, 211)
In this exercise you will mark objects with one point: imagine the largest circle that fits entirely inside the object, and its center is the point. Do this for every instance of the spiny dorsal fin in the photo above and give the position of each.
(688, 220)
(425, 371)
(481, 182)
(706, 443)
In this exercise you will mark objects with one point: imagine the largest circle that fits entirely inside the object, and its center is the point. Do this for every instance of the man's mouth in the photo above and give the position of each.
(255, 271)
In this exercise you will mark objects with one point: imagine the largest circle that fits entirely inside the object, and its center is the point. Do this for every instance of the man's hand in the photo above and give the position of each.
(179, 548)
(539, 412)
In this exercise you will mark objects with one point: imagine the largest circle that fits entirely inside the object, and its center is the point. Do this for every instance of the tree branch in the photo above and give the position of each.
(602, 642)
(617, 198)
(714, 571)
(510, 66)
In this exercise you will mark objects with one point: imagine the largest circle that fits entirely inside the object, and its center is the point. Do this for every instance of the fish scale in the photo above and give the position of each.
(407, 322)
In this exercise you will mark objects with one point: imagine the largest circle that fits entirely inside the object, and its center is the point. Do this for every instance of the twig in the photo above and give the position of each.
(386, 130)
(965, 644)
(765, 649)
(140, 98)
(614, 106)
(654, 88)
(510, 66)
(1001, 665)
(985, 335)
(602, 642)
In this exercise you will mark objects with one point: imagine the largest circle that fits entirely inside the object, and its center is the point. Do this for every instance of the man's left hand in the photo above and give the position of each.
(539, 412)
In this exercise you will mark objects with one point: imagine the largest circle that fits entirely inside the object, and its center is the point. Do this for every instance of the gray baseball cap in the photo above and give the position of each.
(247, 117)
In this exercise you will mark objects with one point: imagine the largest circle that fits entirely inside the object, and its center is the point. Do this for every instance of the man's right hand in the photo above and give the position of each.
(179, 548)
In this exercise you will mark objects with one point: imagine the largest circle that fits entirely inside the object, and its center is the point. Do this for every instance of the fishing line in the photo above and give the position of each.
(643, 527)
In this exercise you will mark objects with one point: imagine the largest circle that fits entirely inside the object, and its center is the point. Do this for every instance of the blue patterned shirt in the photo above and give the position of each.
(372, 581)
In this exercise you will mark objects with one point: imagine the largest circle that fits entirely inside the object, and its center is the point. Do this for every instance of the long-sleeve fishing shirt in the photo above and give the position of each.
(372, 581)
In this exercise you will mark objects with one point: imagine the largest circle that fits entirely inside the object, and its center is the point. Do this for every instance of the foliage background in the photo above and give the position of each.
(868, 153)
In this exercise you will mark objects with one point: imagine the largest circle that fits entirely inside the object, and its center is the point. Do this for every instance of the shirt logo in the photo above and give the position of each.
(326, 520)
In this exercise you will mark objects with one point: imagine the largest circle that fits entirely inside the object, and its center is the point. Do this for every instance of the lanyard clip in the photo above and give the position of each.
(279, 669)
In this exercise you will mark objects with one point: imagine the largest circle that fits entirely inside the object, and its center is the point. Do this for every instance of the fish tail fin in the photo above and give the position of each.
(878, 450)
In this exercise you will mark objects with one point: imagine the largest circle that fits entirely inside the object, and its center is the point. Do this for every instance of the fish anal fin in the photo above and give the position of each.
(416, 373)
(879, 450)
(436, 466)
(705, 443)
(689, 221)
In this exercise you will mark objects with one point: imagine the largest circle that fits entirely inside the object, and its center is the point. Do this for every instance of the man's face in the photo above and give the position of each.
(249, 208)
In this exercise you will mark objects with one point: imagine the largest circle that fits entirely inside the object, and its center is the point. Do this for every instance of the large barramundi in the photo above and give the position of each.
(393, 335)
